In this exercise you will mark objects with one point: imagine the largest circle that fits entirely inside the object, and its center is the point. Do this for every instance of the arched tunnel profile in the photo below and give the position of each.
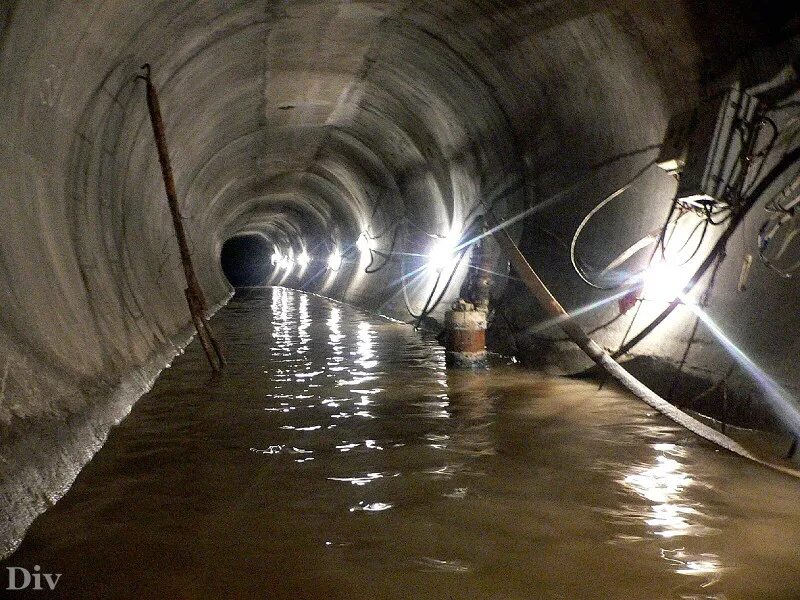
(411, 298)
(247, 260)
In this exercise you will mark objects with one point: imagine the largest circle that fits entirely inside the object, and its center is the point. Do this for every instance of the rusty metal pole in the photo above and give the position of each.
(203, 335)
(194, 293)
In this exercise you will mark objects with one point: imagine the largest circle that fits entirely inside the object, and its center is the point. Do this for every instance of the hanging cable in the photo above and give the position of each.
(430, 305)
(387, 256)
(787, 162)
(764, 153)
(588, 217)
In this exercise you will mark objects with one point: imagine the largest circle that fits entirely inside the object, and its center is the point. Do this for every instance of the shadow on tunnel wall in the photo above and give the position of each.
(740, 29)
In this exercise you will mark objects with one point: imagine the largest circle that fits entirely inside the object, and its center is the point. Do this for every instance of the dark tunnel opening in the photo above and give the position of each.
(245, 260)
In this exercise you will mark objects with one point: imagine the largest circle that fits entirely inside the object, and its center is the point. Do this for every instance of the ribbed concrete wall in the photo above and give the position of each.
(307, 122)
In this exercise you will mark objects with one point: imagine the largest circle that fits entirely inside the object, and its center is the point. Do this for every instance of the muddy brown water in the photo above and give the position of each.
(338, 458)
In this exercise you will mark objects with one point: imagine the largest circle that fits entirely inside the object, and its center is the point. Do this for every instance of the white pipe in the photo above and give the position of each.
(604, 360)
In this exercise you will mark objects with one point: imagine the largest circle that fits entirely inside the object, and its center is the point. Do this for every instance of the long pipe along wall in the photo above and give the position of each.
(312, 124)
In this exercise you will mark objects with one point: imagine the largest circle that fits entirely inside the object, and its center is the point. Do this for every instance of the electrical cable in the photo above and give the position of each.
(421, 315)
(387, 256)
(693, 336)
(787, 161)
(431, 304)
(430, 307)
(406, 299)
(783, 214)
(702, 209)
(588, 217)
(765, 236)
(603, 360)
(767, 150)
(663, 240)
(704, 225)
(717, 213)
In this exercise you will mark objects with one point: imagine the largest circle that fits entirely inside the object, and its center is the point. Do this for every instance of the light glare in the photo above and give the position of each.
(363, 243)
(663, 281)
(782, 402)
(303, 259)
(286, 261)
(442, 253)
(335, 260)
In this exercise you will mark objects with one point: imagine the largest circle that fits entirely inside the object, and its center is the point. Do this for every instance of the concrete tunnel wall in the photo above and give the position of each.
(307, 122)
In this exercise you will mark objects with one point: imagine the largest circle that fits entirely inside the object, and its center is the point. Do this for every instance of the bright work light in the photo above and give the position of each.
(442, 253)
(363, 243)
(303, 259)
(335, 260)
(663, 281)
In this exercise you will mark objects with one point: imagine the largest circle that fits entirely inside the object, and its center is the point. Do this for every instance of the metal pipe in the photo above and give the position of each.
(203, 335)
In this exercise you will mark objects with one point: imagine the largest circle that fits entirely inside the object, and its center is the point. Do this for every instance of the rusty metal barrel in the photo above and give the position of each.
(465, 335)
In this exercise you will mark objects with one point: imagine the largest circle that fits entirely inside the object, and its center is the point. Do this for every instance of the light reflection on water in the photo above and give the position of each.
(664, 484)
(369, 477)
(303, 325)
(340, 456)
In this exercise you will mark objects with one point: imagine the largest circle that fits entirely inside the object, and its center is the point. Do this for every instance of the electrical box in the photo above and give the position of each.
(704, 145)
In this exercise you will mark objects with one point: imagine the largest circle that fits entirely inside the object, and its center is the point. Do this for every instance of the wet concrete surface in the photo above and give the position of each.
(338, 458)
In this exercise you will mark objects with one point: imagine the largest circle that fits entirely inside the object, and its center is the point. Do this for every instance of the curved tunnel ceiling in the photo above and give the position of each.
(306, 122)
(309, 122)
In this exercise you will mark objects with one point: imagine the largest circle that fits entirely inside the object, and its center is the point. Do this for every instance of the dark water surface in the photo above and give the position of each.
(338, 458)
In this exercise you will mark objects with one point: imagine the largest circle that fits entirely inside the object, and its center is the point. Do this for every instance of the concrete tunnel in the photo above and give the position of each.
(296, 128)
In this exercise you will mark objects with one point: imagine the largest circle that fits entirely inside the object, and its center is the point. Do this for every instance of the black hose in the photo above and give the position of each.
(387, 256)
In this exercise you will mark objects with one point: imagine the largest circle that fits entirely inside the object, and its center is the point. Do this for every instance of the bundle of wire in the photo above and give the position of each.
(785, 220)
(709, 212)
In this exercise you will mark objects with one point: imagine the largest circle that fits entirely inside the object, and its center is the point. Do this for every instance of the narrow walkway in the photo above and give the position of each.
(338, 458)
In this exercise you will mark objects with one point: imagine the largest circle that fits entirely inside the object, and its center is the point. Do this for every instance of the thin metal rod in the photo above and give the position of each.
(194, 293)
(203, 335)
